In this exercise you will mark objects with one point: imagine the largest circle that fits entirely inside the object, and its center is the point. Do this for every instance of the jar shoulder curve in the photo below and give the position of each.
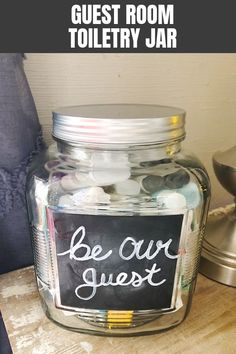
(188, 159)
(193, 164)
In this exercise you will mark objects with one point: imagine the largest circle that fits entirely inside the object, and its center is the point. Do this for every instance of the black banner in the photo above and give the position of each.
(167, 26)
(116, 262)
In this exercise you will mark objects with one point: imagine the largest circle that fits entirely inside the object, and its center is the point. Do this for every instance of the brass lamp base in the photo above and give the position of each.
(218, 260)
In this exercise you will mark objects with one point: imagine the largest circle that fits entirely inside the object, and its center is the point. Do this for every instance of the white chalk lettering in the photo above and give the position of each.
(91, 281)
(78, 245)
(137, 247)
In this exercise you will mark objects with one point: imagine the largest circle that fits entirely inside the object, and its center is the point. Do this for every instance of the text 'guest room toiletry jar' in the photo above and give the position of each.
(117, 213)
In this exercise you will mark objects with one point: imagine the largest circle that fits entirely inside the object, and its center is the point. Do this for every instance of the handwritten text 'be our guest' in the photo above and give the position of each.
(95, 26)
(129, 249)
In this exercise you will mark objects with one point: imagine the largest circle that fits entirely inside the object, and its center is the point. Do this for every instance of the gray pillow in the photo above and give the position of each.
(20, 139)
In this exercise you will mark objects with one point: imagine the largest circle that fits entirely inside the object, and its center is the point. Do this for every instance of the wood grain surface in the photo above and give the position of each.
(209, 328)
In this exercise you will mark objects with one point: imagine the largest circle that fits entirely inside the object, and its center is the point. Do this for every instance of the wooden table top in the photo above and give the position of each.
(209, 328)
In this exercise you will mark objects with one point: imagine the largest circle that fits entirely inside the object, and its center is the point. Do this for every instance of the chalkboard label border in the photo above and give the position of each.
(55, 276)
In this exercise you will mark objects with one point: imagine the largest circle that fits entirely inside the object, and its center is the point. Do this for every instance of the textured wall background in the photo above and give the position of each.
(203, 84)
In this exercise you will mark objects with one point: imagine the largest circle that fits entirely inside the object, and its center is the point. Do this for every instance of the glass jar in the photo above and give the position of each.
(117, 212)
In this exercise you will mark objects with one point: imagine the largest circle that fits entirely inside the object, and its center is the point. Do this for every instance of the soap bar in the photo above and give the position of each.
(192, 195)
(170, 199)
(151, 184)
(128, 187)
(90, 195)
(66, 200)
(99, 160)
(70, 182)
(74, 181)
(177, 179)
(106, 177)
(108, 168)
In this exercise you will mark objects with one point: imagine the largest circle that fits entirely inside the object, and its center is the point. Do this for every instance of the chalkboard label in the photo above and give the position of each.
(116, 262)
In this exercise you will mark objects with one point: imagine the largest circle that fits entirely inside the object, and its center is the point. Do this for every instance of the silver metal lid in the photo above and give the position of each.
(136, 124)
